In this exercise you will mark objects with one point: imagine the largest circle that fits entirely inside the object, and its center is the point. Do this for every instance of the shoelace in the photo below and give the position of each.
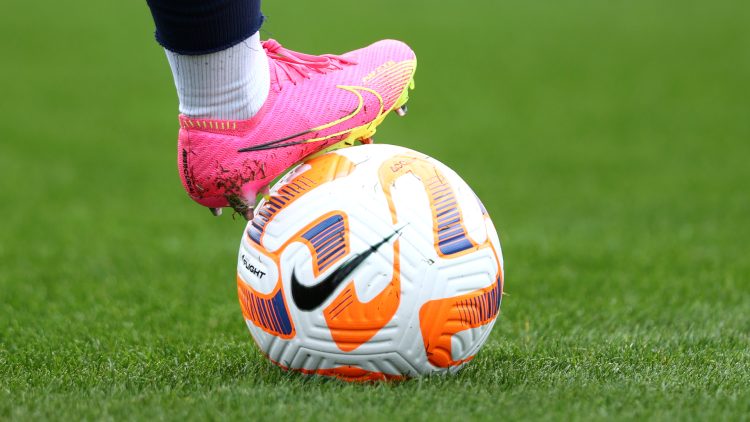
(292, 66)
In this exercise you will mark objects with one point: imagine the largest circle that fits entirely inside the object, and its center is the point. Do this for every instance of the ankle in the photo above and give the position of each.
(230, 84)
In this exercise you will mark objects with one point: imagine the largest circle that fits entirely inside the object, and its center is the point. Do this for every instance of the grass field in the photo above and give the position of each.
(608, 140)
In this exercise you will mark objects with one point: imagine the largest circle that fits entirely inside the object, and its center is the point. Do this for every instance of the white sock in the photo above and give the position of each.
(230, 84)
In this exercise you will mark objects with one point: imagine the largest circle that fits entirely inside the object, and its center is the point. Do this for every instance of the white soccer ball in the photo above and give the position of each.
(370, 262)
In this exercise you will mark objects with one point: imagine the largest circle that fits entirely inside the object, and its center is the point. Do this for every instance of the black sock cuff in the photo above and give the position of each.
(195, 27)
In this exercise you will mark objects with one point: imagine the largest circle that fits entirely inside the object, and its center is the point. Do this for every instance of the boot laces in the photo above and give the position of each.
(294, 67)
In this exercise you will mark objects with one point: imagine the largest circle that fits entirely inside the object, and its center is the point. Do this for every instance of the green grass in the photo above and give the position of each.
(609, 141)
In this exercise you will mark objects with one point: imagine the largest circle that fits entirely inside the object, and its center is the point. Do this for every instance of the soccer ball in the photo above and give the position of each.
(368, 263)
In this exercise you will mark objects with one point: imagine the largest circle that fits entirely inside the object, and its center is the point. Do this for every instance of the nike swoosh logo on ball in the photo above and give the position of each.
(308, 298)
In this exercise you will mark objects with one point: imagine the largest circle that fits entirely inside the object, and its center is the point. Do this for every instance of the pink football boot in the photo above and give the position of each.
(315, 103)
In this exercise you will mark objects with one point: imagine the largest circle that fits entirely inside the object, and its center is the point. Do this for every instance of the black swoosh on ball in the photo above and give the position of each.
(308, 298)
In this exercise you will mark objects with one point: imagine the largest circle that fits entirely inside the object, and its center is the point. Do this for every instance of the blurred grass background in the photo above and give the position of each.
(608, 140)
